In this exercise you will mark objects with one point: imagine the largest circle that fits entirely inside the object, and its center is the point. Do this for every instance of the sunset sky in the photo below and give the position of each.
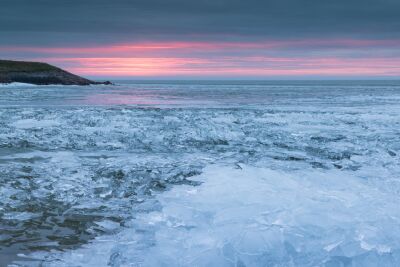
(209, 39)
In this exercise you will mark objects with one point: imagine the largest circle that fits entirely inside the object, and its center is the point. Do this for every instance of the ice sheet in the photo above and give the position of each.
(252, 216)
(317, 165)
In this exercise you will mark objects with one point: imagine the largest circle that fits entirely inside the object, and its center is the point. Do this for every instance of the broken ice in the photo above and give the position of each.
(193, 174)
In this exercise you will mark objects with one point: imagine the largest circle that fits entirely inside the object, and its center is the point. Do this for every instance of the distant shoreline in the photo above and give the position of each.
(37, 73)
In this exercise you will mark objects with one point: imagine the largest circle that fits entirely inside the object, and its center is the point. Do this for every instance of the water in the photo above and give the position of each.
(200, 174)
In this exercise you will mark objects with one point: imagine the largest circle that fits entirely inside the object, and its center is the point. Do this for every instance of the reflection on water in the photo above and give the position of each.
(122, 98)
(196, 94)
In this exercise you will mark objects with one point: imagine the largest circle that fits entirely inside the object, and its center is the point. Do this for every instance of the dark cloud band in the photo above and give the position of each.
(94, 21)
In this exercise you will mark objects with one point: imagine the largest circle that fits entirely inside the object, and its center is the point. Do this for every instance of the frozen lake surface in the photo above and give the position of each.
(200, 174)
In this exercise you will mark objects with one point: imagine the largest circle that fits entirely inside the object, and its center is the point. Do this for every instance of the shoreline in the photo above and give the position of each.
(39, 73)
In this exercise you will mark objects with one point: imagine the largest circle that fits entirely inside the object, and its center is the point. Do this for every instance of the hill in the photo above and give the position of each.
(39, 73)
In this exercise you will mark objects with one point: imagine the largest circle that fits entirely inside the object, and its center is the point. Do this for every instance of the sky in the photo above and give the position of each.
(207, 39)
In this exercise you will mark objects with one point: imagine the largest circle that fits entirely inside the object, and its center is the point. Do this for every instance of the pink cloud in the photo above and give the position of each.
(205, 46)
(245, 66)
(258, 59)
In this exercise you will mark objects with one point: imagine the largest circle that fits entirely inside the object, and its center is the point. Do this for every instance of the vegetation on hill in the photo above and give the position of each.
(38, 73)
